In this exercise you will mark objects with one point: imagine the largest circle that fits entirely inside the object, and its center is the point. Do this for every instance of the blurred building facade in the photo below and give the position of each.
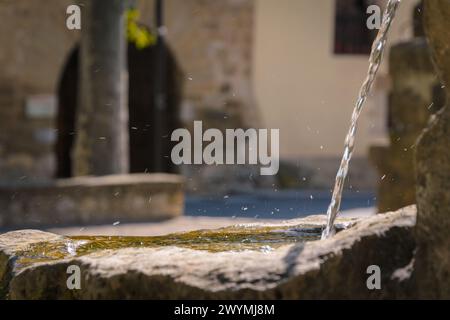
(244, 63)
(210, 40)
(308, 89)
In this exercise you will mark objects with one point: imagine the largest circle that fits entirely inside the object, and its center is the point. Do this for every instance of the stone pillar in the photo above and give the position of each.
(414, 96)
(101, 146)
(432, 267)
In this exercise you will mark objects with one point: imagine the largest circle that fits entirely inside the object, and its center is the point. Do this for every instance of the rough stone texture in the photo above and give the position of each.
(432, 270)
(10, 244)
(333, 268)
(91, 200)
(213, 42)
(414, 96)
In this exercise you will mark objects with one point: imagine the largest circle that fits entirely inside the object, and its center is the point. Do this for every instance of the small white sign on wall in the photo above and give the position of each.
(42, 106)
(45, 136)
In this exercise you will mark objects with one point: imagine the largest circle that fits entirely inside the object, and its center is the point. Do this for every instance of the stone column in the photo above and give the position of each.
(432, 267)
(101, 145)
(415, 94)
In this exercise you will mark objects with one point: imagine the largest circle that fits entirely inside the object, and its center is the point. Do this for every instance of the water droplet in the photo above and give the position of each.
(266, 249)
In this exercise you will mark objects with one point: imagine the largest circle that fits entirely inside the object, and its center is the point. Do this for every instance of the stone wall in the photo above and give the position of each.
(433, 169)
(35, 43)
(212, 41)
(92, 200)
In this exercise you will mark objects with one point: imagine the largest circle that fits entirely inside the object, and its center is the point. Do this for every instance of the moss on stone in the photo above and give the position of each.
(235, 238)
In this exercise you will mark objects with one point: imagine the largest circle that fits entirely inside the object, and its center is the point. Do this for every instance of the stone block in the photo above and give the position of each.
(210, 265)
(433, 169)
(92, 200)
(412, 100)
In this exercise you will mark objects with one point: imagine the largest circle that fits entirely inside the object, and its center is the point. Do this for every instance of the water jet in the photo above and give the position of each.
(236, 263)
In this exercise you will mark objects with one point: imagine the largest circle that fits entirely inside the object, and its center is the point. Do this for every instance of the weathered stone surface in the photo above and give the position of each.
(333, 268)
(433, 169)
(92, 200)
(12, 243)
(414, 96)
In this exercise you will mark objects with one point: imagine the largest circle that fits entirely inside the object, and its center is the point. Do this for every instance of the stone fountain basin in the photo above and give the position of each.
(267, 261)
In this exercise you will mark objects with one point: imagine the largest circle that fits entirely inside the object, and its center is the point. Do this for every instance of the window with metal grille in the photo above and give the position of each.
(351, 33)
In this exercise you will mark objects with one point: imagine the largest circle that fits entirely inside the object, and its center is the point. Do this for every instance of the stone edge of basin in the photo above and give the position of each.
(328, 269)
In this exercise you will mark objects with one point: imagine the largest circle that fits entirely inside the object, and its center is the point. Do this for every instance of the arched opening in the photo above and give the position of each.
(141, 69)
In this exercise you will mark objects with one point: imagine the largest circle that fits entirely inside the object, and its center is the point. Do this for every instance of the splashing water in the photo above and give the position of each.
(376, 57)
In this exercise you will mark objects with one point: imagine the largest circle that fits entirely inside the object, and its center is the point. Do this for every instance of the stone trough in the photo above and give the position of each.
(269, 261)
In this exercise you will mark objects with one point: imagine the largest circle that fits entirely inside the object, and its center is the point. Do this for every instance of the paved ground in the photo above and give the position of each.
(209, 212)
(268, 204)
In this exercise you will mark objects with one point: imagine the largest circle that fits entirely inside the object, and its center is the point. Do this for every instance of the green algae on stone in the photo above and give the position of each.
(235, 238)
(310, 270)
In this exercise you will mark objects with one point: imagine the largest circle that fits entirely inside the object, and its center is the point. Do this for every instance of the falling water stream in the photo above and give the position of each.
(376, 57)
